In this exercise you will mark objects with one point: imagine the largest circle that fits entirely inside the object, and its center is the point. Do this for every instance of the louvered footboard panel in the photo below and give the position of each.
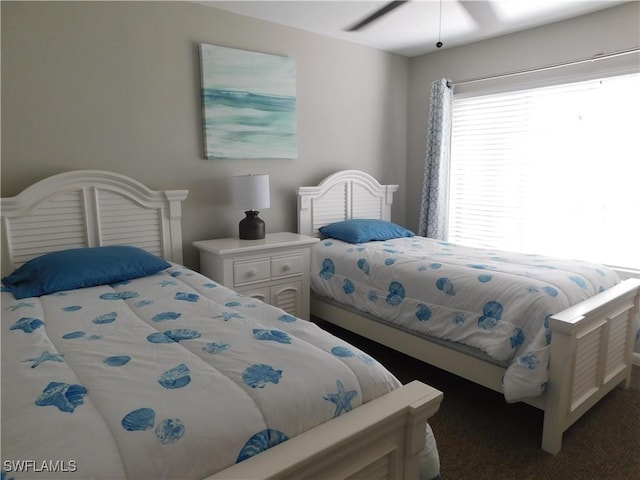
(601, 354)
(587, 359)
(619, 328)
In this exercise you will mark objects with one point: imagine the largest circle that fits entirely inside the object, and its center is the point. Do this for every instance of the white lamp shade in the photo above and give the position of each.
(251, 192)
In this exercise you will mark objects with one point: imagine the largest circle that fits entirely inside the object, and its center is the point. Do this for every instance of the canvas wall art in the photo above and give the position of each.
(249, 104)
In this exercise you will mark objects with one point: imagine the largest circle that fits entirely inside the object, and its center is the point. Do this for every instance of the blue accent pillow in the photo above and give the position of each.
(80, 268)
(364, 230)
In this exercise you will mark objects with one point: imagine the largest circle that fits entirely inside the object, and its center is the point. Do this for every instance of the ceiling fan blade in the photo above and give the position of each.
(377, 14)
(482, 12)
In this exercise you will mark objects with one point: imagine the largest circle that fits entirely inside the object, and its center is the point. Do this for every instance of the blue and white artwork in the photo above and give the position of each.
(249, 104)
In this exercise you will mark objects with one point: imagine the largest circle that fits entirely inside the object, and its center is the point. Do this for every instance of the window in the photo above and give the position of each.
(553, 170)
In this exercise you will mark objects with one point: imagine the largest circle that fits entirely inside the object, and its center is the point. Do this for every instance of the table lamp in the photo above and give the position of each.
(250, 193)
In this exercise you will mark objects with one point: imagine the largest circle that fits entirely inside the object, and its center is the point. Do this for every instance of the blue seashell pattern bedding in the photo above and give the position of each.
(497, 302)
(169, 375)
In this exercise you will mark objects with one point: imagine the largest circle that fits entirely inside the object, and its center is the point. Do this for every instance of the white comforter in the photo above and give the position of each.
(497, 302)
(166, 376)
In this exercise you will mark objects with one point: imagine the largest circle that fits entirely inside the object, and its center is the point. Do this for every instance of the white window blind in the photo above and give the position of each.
(553, 171)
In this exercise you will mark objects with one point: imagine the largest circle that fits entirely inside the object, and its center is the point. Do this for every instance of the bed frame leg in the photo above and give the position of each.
(558, 396)
(551, 436)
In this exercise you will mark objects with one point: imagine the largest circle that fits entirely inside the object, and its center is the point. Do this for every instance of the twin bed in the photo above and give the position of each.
(119, 362)
(554, 333)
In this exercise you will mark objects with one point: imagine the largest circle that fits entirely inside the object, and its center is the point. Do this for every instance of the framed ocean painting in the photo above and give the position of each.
(249, 104)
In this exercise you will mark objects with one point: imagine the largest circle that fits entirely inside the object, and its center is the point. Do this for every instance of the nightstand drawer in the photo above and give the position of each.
(251, 271)
(286, 266)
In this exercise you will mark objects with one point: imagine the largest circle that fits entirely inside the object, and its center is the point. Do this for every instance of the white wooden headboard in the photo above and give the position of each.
(90, 208)
(342, 196)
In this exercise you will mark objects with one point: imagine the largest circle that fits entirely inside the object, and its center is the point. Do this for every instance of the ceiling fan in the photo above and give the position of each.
(481, 11)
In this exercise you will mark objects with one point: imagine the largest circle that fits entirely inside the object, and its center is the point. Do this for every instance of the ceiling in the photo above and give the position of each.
(414, 27)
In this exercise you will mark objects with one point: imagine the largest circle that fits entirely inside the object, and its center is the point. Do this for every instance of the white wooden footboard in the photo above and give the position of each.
(591, 353)
(381, 439)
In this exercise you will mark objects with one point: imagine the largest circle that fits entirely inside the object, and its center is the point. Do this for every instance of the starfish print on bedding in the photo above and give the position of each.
(342, 399)
(44, 356)
(228, 316)
(18, 305)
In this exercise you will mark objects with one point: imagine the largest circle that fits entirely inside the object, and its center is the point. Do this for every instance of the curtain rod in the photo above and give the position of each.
(600, 56)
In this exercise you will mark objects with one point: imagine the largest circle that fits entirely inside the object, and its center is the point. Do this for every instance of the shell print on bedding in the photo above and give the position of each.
(176, 335)
(62, 395)
(272, 335)
(348, 286)
(328, 269)
(164, 316)
(27, 325)
(118, 295)
(72, 308)
(214, 347)
(345, 352)
(106, 318)
(287, 318)
(117, 360)
(445, 285)
(396, 294)
(170, 431)
(364, 265)
(167, 431)
(161, 348)
(423, 313)
(257, 376)
(176, 377)
(497, 302)
(187, 297)
(139, 419)
(260, 442)
(80, 334)
(491, 315)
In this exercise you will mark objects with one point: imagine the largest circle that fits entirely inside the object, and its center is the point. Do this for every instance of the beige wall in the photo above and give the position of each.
(610, 30)
(116, 86)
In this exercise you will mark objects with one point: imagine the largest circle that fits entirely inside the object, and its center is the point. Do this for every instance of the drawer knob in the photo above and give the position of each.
(286, 267)
(252, 273)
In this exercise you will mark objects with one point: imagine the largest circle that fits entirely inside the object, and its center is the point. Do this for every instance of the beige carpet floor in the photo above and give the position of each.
(481, 437)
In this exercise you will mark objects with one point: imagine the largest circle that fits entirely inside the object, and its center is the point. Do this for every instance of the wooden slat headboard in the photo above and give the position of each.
(90, 208)
(342, 196)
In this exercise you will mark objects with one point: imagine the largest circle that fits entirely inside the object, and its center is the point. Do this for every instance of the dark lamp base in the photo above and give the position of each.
(252, 226)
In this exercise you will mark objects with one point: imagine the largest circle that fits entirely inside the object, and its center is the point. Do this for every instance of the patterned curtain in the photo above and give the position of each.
(435, 197)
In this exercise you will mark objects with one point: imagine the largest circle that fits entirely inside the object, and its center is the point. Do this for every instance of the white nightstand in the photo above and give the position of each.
(274, 269)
